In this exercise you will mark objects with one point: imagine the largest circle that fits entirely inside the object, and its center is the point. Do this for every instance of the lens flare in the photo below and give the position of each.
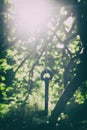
(30, 15)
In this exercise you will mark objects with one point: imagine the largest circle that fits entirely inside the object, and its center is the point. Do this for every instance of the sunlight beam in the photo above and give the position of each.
(30, 15)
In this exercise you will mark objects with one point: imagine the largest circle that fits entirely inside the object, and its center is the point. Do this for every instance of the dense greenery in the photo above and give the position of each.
(61, 47)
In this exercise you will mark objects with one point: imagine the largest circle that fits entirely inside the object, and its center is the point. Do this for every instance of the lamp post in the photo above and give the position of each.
(46, 79)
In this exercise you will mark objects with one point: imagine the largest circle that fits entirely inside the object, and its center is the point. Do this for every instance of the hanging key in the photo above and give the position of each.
(46, 76)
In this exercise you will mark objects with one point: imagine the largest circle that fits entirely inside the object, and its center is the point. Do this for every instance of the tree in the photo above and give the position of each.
(61, 47)
(80, 12)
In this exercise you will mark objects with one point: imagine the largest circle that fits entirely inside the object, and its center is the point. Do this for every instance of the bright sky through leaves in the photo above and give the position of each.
(31, 15)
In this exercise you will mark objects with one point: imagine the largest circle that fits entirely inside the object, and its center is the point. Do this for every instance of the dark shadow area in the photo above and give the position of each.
(75, 119)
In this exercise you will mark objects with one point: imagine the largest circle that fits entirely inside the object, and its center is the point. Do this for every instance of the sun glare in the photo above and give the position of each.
(31, 15)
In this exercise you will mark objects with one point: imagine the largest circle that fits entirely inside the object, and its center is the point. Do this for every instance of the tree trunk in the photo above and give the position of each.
(81, 74)
(67, 94)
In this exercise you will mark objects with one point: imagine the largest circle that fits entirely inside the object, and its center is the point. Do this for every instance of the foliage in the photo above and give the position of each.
(60, 47)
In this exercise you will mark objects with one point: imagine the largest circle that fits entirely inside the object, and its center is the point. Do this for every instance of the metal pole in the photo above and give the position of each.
(46, 95)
